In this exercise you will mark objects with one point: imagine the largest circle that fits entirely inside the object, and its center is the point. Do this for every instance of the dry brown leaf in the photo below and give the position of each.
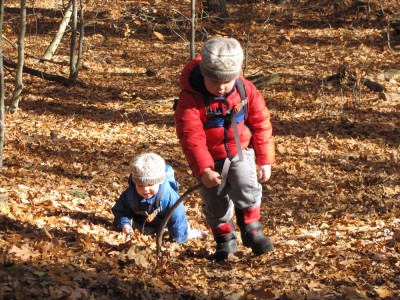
(24, 252)
(159, 35)
(384, 292)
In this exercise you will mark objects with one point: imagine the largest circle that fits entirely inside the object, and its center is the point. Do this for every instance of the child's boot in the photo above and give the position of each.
(225, 237)
(251, 231)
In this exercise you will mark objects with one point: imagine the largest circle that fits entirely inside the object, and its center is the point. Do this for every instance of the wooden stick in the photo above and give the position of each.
(386, 96)
(168, 215)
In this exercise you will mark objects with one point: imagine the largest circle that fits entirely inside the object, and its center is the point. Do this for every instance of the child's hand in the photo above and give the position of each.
(210, 178)
(128, 230)
(263, 173)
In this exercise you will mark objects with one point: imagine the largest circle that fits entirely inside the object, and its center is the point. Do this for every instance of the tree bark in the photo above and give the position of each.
(389, 97)
(2, 116)
(192, 29)
(216, 10)
(261, 81)
(72, 66)
(80, 41)
(52, 77)
(19, 85)
(344, 74)
(76, 56)
(57, 38)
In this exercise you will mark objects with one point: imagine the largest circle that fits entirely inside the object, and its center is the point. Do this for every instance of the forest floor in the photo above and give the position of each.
(331, 207)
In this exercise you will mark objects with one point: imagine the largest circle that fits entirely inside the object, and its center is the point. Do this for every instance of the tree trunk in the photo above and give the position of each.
(56, 78)
(215, 10)
(80, 42)
(57, 38)
(72, 66)
(75, 60)
(19, 85)
(2, 116)
(192, 29)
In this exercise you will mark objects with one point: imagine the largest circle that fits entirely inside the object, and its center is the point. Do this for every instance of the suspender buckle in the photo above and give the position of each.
(237, 108)
(151, 216)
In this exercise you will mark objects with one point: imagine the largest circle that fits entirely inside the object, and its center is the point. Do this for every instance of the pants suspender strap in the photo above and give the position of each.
(227, 162)
(236, 133)
(224, 174)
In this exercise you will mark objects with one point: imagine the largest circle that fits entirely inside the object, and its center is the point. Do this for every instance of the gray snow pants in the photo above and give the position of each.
(242, 190)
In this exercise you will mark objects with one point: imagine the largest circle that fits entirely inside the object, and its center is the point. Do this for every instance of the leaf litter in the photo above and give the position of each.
(331, 206)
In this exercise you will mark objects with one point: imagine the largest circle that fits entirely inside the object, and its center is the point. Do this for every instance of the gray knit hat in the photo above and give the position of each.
(221, 58)
(148, 169)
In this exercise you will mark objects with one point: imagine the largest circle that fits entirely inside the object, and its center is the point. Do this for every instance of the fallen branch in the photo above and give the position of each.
(261, 81)
(372, 85)
(57, 78)
(168, 215)
(388, 97)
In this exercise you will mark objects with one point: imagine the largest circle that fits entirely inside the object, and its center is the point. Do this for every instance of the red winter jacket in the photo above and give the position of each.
(202, 146)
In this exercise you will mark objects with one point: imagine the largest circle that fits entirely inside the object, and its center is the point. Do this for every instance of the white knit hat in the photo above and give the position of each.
(221, 58)
(148, 169)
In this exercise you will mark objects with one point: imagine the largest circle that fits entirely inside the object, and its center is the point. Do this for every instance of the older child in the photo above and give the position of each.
(228, 143)
(152, 190)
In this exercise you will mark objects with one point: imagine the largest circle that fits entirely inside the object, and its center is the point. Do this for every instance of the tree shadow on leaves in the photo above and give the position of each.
(25, 278)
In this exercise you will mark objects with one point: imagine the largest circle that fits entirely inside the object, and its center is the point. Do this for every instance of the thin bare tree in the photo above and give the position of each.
(57, 38)
(19, 85)
(192, 29)
(75, 60)
(215, 10)
(2, 111)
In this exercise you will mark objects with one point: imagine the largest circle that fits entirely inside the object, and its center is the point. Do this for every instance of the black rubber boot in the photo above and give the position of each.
(225, 245)
(254, 238)
(252, 234)
(225, 237)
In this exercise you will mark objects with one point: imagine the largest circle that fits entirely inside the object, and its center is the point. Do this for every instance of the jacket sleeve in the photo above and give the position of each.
(259, 122)
(191, 135)
(121, 211)
(177, 224)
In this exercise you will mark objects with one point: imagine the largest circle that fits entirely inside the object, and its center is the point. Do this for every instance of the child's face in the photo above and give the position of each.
(218, 87)
(147, 191)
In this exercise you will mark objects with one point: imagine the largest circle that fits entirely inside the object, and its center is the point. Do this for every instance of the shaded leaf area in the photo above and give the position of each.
(332, 205)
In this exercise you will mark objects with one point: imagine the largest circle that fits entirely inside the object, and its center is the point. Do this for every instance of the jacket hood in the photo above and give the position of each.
(131, 183)
(191, 78)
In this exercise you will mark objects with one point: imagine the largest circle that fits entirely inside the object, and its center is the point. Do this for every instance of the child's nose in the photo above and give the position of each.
(221, 86)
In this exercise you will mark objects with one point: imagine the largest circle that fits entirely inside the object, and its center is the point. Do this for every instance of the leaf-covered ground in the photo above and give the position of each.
(332, 206)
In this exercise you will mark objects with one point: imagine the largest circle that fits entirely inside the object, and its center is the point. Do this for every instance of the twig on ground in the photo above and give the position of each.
(168, 215)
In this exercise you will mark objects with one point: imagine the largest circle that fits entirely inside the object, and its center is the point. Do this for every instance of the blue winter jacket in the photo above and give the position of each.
(125, 209)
